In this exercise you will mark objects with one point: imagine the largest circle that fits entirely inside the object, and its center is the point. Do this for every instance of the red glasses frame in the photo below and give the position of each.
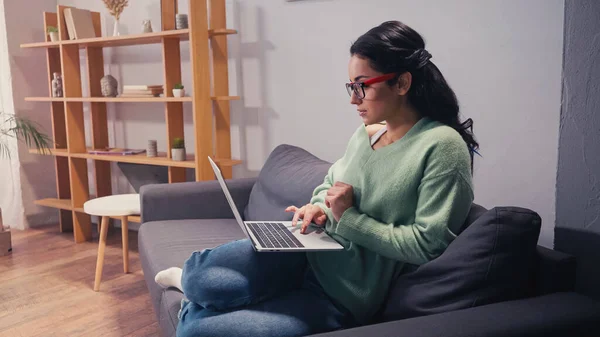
(359, 87)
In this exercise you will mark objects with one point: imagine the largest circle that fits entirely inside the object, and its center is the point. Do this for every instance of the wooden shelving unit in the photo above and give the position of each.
(207, 36)
(126, 99)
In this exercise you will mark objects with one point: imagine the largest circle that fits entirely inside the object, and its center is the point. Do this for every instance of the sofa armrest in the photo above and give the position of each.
(193, 200)
(556, 272)
(559, 314)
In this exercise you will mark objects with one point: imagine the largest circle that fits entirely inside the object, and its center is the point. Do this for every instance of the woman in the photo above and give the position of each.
(398, 195)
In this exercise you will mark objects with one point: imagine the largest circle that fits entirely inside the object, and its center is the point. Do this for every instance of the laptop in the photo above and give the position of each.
(275, 235)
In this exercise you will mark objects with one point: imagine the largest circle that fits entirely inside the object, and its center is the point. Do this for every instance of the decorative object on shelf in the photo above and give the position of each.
(178, 90)
(115, 8)
(147, 26)
(181, 21)
(25, 130)
(151, 151)
(57, 85)
(116, 151)
(132, 90)
(109, 86)
(178, 149)
(53, 33)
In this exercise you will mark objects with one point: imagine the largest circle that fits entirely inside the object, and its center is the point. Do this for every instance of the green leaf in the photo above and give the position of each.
(24, 130)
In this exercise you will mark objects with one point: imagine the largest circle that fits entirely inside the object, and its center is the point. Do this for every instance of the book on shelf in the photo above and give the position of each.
(69, 24)
(142, 87)
(79, 23)
(116, 151)
(139, 91)
(125, 95)
(143, 92)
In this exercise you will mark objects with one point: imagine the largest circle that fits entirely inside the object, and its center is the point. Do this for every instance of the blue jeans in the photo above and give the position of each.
(233, 291)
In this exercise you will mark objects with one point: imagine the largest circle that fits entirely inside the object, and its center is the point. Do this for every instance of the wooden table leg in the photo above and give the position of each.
(101, 248)
(125, 239)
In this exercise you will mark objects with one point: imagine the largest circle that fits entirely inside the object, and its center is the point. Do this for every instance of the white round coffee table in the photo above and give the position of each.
(120, 205)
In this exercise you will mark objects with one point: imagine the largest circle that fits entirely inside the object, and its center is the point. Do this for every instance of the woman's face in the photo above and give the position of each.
(381, 100)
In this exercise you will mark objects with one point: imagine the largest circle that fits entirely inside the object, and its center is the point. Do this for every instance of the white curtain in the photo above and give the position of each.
(11, 201)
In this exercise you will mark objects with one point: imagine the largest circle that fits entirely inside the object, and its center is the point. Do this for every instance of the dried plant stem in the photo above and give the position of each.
(116, 7)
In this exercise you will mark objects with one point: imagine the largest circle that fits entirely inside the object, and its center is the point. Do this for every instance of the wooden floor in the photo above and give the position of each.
(46, 288)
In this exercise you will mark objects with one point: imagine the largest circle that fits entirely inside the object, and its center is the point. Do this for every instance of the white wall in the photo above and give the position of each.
(24, 177)
(289, 63)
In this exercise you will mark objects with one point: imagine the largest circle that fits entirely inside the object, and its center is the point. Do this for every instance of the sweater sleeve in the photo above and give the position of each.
(320, 193)
(443, 203)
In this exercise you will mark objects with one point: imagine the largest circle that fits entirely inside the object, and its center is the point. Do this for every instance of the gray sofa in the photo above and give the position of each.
(493, 280)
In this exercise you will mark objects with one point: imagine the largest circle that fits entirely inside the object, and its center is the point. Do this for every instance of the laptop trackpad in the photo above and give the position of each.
(312, 228)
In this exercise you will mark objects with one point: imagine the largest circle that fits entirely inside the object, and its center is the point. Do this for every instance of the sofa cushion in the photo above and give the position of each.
(492, 260)
(164, 244)
(288, 177)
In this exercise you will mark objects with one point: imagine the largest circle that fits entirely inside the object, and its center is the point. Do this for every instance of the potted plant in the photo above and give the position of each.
(53, 33)
(178, 149)
(178, 90)
(27, 131)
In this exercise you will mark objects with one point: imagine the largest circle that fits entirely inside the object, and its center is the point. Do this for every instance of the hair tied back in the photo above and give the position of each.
(420, 58)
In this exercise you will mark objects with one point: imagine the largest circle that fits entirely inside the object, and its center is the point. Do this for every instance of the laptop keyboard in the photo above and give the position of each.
(273, 235)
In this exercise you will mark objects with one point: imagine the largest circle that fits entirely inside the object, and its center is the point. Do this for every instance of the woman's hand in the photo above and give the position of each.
(308, 213)
(339, 198)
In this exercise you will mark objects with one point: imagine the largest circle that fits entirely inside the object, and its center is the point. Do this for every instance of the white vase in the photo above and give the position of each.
(178, 154)
(53, 36)
(116, 28)
(178, 92)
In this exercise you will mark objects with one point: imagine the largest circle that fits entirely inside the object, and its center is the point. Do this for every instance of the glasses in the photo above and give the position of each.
(358, 88)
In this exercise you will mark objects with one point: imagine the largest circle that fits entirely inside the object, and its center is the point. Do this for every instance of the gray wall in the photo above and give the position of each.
(578, 177)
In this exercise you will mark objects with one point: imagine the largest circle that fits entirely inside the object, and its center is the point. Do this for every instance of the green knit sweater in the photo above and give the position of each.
(410, 197)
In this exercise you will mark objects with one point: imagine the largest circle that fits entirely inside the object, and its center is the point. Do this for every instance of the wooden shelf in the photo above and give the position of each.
(65, 204)
(127, 40)
(217, 32)
(110, 99)
(125, 99)
(55, 203)
(44, 99)
(225, 98)
(141, 158)
(53, 152)
(115, 41)
(134, 218)
(227, 162)
(41, 45)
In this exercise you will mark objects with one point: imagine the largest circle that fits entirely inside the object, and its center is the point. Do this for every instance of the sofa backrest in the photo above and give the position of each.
(288, 177)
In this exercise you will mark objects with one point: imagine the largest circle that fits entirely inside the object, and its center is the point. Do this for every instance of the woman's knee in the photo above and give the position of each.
(212, 277)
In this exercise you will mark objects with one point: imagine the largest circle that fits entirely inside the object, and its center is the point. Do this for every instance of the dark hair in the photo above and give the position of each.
(394, 47)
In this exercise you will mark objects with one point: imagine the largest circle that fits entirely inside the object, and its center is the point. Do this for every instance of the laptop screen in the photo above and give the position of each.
(228, 195)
